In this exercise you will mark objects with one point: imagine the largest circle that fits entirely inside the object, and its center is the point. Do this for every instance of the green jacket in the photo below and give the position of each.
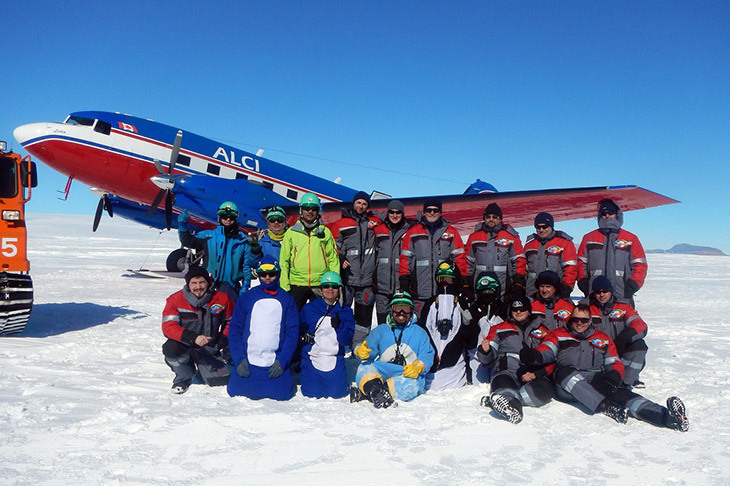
(305, 257)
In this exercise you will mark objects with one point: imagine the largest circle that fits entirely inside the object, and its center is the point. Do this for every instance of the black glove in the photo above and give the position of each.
(529, 355)
(466, 298)
(519, 280)
(335, 320)
(276, 370)
(565, 291)
(606, 383)
(583, 285)
(631, 287)
(242, 369)
(253, 241)
(405, 283)
(623, 339)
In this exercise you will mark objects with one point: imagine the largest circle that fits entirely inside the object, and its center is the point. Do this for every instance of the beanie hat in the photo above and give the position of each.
(196, 271)
(520, 303)
(493, 208)
(396, 205)
(601, 283)
(361, 195)
(545, 218)
(432, 202)
(607, 206)
(548, 277)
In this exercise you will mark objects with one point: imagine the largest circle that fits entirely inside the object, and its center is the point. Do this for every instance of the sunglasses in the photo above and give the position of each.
(582, 320)
(329, 286)
(542, 226)
(394, 212)
(310, 208)
(227, 216)
(276, 220)
(520, 309)
(401, 312)
(268, 274)
(432, 210)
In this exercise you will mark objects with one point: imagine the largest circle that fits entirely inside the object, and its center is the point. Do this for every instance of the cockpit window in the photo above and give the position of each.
(79, 120)
(103, 127)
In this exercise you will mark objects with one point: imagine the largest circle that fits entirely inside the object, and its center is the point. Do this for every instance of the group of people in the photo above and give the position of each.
(488, 311)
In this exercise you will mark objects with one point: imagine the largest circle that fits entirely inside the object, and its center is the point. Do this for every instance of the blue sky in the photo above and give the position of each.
(408, 98)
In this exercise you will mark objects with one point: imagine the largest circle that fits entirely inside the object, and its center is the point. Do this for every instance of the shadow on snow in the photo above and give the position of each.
(53, 319)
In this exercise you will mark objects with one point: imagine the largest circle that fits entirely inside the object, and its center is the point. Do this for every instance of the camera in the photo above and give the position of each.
(307, 338)
(398, 359)
(444, 326)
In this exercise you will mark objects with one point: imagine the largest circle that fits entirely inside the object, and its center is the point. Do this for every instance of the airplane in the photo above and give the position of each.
(136, 164)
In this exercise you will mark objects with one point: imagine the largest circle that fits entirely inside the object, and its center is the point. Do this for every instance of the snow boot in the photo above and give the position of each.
(179, 388)
(613, 410)
(677, 415)
(376, 391)
(509, 408)
(356, 395)
(486, 401)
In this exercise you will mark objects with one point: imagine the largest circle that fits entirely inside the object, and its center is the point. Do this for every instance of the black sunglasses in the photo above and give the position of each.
(542, 226)
(276, 220)
(394, 212)
(329, 286)
(268, 274)
(432, 210)
(582, 320)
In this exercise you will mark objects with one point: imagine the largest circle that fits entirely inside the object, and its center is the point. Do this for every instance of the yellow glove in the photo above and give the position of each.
(362, 351)
(413, 370)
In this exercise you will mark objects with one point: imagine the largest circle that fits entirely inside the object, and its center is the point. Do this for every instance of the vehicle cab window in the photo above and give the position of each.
(8, 178)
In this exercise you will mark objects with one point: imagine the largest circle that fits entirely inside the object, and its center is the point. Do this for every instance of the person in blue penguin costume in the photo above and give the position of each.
(395, 357)
(263, 336)
(325, 327)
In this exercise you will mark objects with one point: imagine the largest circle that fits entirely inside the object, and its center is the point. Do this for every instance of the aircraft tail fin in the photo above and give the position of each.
(480, 187)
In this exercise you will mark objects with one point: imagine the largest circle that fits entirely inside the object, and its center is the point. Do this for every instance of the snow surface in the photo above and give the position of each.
(84, 394)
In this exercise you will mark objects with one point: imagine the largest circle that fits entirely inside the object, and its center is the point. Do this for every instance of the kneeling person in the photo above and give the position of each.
(195, 322)
(325, 328)
(263, 338)
(395, 357)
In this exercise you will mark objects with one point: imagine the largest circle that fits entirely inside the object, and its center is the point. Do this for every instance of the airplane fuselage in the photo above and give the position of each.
(115, 153)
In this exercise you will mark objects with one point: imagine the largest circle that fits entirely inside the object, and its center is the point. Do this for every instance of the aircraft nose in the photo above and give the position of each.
(25, 133)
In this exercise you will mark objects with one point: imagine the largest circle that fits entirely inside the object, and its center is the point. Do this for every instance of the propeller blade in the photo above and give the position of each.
(169, 199)
(156, 202)
(108, 206)
(97, 216)
(175, 151)
(159, 166)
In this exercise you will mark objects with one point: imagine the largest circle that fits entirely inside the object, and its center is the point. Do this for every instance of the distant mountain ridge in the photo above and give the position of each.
(687, 249)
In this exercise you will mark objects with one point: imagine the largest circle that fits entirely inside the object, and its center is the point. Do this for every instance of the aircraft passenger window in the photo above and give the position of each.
(214, 169)
(240, 175)
(267, 185)
(103, 127)
(80, 120)
(291, 194)
(8, 178)
(183, 160)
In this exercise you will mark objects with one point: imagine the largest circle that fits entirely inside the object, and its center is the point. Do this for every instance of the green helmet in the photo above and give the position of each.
(487, 283)
(228, 208)
(309, 200)
(330, 278)
(445, 269)
(401, 298)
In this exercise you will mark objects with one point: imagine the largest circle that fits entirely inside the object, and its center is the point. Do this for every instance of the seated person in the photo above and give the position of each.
(515, 383)
(263, 338)
(620, 321)
(195, 321)
(451, 334)
(589, 371)
(325, 329)
(395, 357)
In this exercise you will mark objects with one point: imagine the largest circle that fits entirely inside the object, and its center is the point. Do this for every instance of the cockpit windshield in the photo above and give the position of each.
(79, 120)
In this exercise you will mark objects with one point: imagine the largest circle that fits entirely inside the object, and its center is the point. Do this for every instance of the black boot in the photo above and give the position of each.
(509, 408)
(676, 417)
(613, 410)
(356, 395)
(376, 391)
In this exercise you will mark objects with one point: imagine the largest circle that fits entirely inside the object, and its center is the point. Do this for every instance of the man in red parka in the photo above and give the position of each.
(195, 323)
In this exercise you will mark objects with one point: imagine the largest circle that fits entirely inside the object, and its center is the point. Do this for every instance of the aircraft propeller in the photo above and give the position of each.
(166, 181)
(104, 204)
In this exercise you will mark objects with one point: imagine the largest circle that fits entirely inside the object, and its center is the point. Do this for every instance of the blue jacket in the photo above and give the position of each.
(264, 328)
(323, 361)
(414, 343)
(228, 259)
